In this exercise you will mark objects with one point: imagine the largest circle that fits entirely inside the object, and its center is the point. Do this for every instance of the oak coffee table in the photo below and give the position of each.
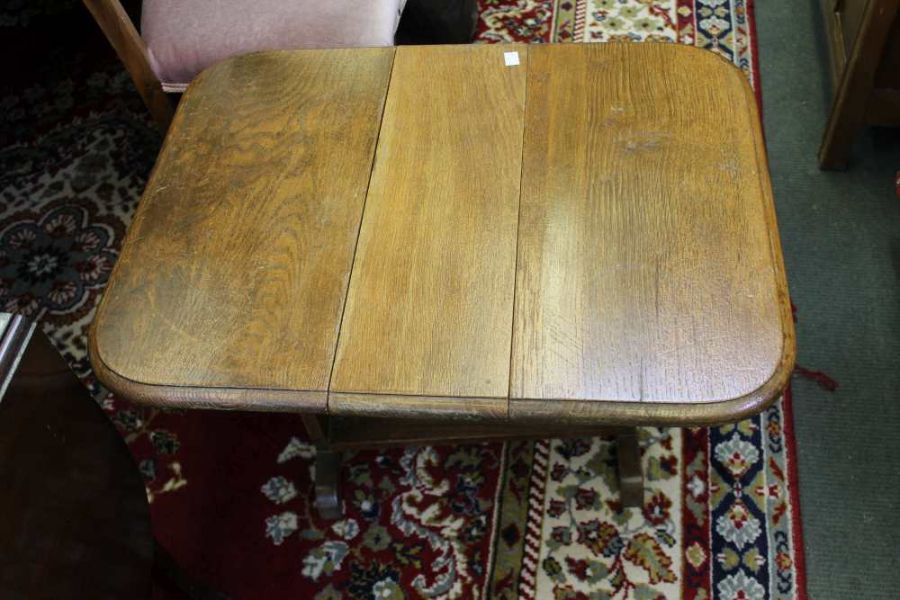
(457, 243)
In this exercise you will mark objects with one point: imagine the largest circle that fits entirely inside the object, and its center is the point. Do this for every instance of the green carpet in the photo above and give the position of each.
(841, 236)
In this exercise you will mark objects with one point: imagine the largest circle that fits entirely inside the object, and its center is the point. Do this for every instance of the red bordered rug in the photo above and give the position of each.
(231, 493)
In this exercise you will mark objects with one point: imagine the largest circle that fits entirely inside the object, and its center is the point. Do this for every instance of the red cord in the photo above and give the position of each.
(824, 381)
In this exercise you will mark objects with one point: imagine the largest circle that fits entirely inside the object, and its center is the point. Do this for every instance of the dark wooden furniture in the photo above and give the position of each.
(74, 520)
(507, 241)
(864, 43)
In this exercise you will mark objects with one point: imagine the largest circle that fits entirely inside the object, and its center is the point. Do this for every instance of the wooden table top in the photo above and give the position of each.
(588, 235)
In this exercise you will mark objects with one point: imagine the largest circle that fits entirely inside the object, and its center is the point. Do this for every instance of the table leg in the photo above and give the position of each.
(328, 468)
(631, 479)
(328, 474)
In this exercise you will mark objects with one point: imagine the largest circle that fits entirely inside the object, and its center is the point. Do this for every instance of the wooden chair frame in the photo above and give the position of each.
(132, 51)
(444, 21)
(858, 100)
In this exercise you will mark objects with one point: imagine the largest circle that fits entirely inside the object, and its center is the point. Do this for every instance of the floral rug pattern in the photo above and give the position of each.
(231, 493)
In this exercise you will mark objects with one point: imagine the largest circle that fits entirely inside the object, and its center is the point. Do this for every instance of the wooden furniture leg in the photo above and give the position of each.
(339, 433)
(631, 478)
(328, 475)
(128, 44)
(856, 83)
(328, 468)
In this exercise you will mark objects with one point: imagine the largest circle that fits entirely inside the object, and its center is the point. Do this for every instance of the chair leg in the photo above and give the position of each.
(130, 47)
(161, 108)
(835, 149)
(631, 479)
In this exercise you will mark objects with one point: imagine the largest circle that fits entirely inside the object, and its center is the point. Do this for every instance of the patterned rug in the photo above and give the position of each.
(231, 493)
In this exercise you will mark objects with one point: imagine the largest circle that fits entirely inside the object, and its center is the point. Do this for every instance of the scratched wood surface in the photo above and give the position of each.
(587, 237)
(234, 272)
(648, 266)
(429, 311)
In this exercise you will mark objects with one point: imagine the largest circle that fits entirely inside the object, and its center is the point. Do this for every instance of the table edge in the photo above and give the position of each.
(215, 398)
(415, 406)
(594, 411)
(651, 413)
(503, 409)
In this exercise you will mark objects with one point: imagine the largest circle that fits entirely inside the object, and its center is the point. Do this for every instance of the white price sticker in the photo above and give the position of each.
(511, 59)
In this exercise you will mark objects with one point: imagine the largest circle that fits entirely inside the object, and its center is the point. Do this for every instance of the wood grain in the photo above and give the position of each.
(588, 238)
(647, 263)
(409, 406)
(231, 283)
(429, 310)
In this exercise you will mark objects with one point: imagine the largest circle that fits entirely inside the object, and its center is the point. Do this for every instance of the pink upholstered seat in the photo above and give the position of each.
(184, 37)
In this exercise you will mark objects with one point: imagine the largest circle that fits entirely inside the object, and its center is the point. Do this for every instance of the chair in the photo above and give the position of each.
(182, 37)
